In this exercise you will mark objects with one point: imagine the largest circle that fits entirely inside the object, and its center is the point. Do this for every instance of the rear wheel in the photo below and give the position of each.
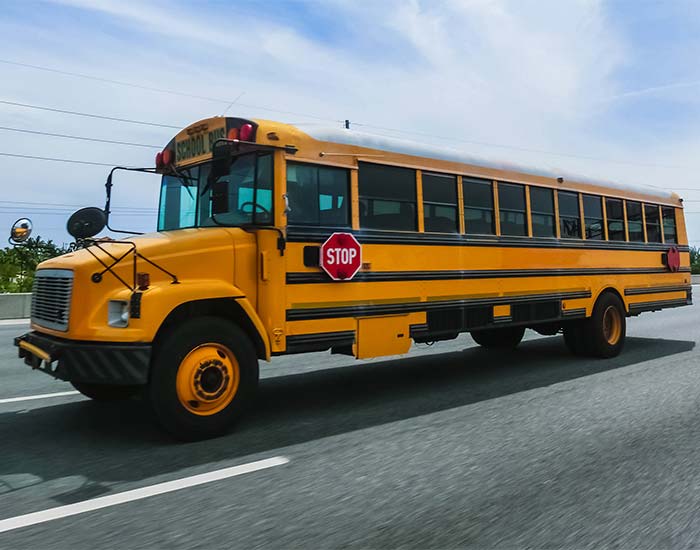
(499, 338)
(203, 376)
(604, 331)
(106, 392)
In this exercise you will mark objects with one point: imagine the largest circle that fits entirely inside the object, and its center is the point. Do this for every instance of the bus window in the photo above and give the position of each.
(511, 209)
(542, 208)
(593, 217)
(318, 195)
(569, 215)
(634, 221)
(651, 213)
(478, 206)
(616, 219)
(387, 197)
(668, 215)
(440, 203)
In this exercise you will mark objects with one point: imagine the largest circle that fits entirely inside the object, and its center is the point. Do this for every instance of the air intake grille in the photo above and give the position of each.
(51, 295)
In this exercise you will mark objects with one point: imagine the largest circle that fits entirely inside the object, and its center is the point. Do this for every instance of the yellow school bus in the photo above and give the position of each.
(259, 223)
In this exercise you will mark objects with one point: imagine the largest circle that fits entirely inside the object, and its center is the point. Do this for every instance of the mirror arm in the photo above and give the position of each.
(108, 191)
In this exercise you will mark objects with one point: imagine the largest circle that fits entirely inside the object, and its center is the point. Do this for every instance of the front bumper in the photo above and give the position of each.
(88, 362)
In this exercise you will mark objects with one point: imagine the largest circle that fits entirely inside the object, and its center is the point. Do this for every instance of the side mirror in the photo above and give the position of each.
(219, 198)
(222, 158)
(21, 230)
(86, 222)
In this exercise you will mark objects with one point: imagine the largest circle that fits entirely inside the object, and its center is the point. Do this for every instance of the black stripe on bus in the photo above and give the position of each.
(316, 235)
(656, 290)
(301, 343)
(659, 304)
(573, 313)
(303, 314)
(296, 278)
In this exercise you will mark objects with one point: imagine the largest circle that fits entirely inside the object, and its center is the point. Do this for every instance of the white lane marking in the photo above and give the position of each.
(137, 494)
(39, 396)
(14, 322)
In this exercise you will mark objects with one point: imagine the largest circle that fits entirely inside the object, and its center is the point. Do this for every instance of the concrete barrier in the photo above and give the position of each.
(695, 279)
(15, 306)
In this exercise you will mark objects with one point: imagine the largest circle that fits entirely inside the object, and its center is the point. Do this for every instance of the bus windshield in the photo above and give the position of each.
(241, 197)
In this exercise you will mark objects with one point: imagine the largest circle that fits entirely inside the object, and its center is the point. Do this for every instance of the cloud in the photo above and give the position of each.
(528, 74)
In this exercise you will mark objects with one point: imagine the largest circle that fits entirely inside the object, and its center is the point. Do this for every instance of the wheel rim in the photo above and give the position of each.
(207, 379)
(612, 325)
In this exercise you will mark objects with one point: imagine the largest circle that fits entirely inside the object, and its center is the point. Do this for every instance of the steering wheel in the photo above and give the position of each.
(255, 206)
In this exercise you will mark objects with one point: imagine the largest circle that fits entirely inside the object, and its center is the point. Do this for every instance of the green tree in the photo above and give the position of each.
(18, 263)
(695, 260)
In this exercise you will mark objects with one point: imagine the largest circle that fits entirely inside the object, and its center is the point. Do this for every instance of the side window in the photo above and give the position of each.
(440, 203)
(668, 214)
(593, 217)
(651, 213)
(511, 209)
(616, 219)
(478, 206)
(387, 197)
(542, 209)
(318, 195)
(569, 215)
(634, 221)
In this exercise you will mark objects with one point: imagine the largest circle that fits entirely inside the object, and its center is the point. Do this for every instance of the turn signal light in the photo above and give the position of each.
(143, 281)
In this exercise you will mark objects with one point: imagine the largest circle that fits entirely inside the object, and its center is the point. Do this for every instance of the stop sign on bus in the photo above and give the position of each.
(341, 256)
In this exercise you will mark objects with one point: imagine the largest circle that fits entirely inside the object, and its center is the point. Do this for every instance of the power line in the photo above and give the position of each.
(162, 90)
(72, 161)
(63, 204)
(89, 115)
(82, 138)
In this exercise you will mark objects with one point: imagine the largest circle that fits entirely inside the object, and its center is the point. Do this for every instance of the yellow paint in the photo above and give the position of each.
(378, 336)
(501, 311)
(35, 350)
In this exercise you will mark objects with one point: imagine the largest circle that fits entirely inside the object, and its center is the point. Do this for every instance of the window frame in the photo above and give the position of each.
(347, 197)
(371, 198)
(501, 210)
(428, 203)
(533, 212)
(568, 217)
(470, 180)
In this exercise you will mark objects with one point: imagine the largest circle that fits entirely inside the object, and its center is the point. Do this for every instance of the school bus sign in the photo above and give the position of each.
(341, 256)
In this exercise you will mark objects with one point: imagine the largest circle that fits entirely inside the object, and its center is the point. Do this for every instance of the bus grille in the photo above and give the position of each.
(51, 296)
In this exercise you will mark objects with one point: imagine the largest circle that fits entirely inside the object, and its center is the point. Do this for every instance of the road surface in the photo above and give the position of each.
(450, 446)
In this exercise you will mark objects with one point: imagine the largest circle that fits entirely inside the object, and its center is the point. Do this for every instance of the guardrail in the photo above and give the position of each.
(15, 306)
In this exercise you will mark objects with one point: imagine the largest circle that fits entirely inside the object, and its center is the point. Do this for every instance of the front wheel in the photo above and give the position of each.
(499, 338)
(203, 376)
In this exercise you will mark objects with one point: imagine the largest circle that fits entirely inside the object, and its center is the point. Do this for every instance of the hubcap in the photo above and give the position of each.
(207, 379)
(612, 325)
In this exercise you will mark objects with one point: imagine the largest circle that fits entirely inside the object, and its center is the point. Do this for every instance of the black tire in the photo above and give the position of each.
(599, 339)
(573, 337)
(106, 392)
(163, 391)
(499, 338)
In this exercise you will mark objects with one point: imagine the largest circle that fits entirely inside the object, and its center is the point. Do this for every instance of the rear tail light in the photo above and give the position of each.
(159, 160)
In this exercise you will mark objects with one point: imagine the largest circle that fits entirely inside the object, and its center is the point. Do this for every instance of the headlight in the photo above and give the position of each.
(118, 313)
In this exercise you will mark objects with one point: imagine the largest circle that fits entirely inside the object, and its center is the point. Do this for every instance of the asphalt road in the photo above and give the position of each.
(448, 447)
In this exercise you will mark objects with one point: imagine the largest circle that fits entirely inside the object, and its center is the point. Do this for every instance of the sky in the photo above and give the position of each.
(605, 88)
